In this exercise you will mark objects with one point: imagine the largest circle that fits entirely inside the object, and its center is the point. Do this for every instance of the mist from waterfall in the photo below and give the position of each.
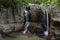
(26, 21)
(46, 23)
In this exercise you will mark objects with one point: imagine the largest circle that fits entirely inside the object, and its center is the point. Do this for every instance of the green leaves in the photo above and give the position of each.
(41, 1)
(13, 3)
(48, 1)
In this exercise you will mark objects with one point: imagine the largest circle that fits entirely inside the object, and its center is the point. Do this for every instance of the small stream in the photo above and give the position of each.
(46, 23)
(26, 24)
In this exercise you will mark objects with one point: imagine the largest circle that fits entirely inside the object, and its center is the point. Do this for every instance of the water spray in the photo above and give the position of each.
(26, 21)
(46, 23)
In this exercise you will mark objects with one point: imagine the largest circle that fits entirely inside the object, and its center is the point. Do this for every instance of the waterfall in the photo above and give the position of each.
(46, 23)
(26, 21)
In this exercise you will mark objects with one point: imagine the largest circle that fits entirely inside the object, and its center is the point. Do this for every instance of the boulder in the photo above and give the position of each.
(8, 28)
(36, 28)
(36, 13)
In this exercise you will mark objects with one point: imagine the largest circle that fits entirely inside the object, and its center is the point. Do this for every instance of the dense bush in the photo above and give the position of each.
(14, 3)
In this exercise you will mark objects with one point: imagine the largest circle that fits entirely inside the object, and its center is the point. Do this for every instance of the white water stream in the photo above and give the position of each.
(26, 22)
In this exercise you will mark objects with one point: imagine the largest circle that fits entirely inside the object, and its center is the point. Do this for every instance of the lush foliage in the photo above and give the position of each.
(10, 3)
(14, 3)
(42, 1)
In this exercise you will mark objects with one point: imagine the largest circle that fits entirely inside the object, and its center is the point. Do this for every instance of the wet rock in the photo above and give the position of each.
(36, 28)
(36, 13)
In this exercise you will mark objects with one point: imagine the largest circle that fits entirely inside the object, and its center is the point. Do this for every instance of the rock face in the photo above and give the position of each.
(10, 19)
(56, 15)
(36, 13)
(7, 28)
(13, 20)
(55, 25)
(37, 18)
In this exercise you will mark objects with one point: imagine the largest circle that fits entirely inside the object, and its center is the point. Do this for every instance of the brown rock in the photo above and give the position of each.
(36, 28)
(36, 13)
(19, 26)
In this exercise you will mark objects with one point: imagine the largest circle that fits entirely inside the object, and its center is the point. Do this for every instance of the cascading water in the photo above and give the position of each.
(46, 23)
(26, 21)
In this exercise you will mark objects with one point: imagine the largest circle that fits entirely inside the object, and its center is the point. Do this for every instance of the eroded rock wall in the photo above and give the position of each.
(10, 19)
